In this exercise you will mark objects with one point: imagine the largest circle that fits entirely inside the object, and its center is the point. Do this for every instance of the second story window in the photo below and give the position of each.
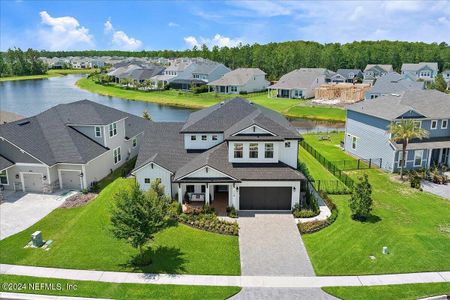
(287, 144)
(98, 131)
(268, 153)
(117, 156)
(134, 142)
(214, 137)
(434, 124)
(444, 124)
(112, 129)
(253, 150)
(193, 137)
(204, 137)
(238, 150)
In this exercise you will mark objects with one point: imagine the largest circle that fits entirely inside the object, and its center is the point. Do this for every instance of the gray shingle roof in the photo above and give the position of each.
(164, 145)
(238, 77)
(418, 66)
(395, 83)
(5, 163)
(217, 158)
(205, 67)
(48, 136)
(237, 114)
(429, 103)
(301, 79)
(346, 72)
(387, 68)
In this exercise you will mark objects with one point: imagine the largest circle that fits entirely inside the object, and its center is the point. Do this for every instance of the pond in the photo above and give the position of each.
(30, 97)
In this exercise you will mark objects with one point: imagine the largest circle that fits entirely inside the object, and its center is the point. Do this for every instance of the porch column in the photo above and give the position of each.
(429, 157)
(207, 194)
(212, 192)
(180, 194)
(230, 195)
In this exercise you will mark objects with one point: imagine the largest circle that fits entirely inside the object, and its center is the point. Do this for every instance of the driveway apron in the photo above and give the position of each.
(270, 244)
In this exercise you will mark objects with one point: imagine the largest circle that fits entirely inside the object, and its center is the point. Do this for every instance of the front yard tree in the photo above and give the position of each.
(136, 217)
(402, 132)
(361, 200)
(440, 84)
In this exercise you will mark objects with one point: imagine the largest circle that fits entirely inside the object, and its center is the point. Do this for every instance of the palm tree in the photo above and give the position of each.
(403, 131)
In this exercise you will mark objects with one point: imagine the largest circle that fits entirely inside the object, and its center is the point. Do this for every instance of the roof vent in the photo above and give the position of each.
(396, 95)
(23, 123)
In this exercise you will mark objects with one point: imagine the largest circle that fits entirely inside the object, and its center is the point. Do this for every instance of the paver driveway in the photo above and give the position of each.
(21, 210)
(282, 293)
(270, 244)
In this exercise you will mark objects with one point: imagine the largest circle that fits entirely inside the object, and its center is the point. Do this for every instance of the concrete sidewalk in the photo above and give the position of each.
(24, 296)
(213, 280)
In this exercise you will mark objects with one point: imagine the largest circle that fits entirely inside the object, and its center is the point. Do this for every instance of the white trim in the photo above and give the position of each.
(421, 158)
(205, 167)
(69, 170)
(95, 132)
(119, 155)
(150, 162)
(23, 151)
(431, 124)
(446, 124)
(132, 142)
(30, 165)
(254, 125)
(7, 179)
(84, 185)
(113, 130)
(23, 182)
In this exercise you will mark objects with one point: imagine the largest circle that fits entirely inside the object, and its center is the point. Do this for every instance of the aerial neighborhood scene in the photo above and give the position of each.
(225, 149)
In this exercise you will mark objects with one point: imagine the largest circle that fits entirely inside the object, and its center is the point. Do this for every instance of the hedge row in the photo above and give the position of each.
(314, 226)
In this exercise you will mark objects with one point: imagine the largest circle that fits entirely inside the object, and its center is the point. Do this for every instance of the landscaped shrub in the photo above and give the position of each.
(174, 209)
(314, 226)
(414, 179)
(305, 213)
(209, 222)
(231, 212)
(302, 167)
(200, 89)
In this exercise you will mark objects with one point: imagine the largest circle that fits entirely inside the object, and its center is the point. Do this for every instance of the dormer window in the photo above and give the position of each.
(193, 137)
(238, 150)
(444, 124)
(112, 129)
(434, 124)
(204, 137)
(214, 137)
(253, 150)
(98, 131)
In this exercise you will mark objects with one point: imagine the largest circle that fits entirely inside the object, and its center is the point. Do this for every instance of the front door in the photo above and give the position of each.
(445, 156)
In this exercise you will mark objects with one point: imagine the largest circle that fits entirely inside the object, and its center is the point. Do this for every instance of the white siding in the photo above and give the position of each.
(261, 150)
(152, 174)
(206, 173)
(289, 155)
(199, 143)
(254, 129)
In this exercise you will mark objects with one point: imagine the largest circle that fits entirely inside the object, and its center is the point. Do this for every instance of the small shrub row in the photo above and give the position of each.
(231, 212)
(209, 222)
(314, 226)
(304, 213)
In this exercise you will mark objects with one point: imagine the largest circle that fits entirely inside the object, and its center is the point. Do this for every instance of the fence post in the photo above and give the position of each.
(359, 160)
(381, 159)
(370, 163)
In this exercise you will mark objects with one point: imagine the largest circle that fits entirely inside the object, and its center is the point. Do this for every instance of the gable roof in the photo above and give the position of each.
(346, 72)
(418, 66)
(217, 158)
(393, 82)
(206, 67)
(5, 163)
(238, 77)
(49, 137)
(301, 78)
(387, 68)
(429, 103)
(236, 114)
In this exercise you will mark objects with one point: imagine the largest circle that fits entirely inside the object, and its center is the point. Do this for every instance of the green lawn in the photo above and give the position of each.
(317, 171)
(50, 73)
(387, 292)
(413, 224)
(330, 149)
(289, 107)
(119, 290)
(81, 240)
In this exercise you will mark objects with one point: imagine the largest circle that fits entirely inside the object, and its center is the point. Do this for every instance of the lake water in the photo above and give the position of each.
(30, 97)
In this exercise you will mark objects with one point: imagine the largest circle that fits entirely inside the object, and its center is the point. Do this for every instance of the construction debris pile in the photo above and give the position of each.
(340, 93)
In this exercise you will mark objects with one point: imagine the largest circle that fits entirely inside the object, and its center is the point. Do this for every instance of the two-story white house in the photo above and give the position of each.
(68, 146)
(235, 152)
(425, 71)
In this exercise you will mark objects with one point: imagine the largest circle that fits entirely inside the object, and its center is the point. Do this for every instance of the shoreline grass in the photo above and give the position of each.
(94, 289)
(50, 73)
(291, 108)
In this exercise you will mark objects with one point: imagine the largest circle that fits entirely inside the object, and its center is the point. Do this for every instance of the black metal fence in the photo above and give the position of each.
(358, 164)
(331, 186)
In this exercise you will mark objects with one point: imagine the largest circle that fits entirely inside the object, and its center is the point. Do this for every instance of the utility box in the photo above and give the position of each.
(385, 250)
(36, 239)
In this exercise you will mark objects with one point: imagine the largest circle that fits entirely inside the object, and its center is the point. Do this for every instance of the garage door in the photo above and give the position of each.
(33, 183)
(265, 198)
(71, 180)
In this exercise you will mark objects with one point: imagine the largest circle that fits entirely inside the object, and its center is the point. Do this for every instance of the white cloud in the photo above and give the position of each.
(120, 40)
(63, 33)
(173, 24)
(216, 40)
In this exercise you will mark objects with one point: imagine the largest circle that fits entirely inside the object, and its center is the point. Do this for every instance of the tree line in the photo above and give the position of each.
(16, 62)
(277, 59)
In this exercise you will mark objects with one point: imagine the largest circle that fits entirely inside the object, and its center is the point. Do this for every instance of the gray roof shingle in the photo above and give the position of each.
(301, 79)
(238, 77)
(5, 163)
(395, 83)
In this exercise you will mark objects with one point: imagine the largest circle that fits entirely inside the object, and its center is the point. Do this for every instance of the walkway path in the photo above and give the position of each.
(270, 245)
(24, 296)
(214, 280)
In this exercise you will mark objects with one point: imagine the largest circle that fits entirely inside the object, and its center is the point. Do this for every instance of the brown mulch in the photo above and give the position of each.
(78, 200)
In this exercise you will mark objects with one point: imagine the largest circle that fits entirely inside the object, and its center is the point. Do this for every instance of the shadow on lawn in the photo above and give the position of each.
(163, 259)
(370, 219)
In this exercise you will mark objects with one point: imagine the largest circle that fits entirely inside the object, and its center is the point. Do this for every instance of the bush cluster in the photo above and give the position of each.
(231, 212)
(209, 222)
(314, 226)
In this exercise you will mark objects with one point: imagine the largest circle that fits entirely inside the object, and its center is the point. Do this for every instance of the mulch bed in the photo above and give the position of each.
(78, 200)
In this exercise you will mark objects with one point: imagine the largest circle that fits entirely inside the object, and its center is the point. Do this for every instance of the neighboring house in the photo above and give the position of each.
(446, 75)
(393, 83)
(242, 80)
(367, 136)
(137, 73)
(347, 75)
(236, 152)
(373, 72)
(68, 146)
(425, 71)
(200, 72)
(300, 83)
(97, 63)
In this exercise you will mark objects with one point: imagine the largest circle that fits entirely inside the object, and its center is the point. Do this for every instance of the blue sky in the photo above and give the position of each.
(137, 25)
